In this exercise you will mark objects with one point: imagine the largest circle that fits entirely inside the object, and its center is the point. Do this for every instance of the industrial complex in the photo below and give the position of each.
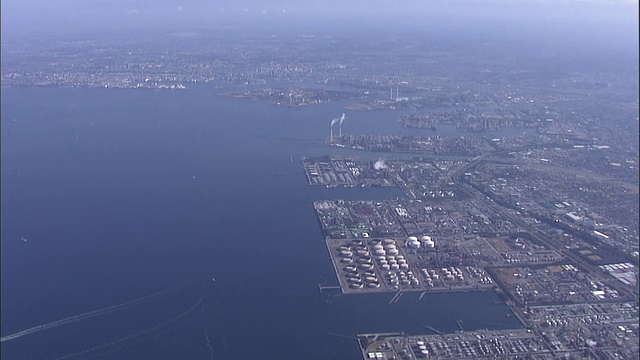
(465, 226)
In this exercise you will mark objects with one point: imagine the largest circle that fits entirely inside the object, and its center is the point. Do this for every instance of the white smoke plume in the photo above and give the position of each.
(379, 165)
(338, 120)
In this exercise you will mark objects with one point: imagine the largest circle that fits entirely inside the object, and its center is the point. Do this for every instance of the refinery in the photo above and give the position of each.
(394, 265)
(450, 233)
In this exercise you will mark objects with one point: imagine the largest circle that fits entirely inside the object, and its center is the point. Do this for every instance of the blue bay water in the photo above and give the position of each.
(123, 193)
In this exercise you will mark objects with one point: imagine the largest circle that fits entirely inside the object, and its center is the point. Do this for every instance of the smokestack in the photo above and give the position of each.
(340, 127)
(397, 92)
(331, 130)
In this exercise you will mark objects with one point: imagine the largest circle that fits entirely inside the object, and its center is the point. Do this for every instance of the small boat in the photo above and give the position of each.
(23, 239)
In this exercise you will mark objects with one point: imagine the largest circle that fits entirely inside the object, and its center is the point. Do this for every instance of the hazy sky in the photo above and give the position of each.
(609, 18)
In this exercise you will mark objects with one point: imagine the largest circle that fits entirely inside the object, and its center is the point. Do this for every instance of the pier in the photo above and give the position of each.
(433, 329)
(323, 288)
(395, 298)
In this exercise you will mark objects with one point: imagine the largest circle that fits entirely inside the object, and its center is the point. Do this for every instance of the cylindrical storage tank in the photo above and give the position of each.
(366, 266)
(350, 268)
(425, 238)
(429, 244)
(391, 257)
(435, 276)
(385, 267)
(346, 260)
(356, 286)
(375, 242)
(390, 247)
(380, 252)
(395, 267)
(382, 262)
(378, 247)
(392, 262)
(371, 278)
(362, 253)
(344, 247)
(381, 257)
(393, 252)
(399, 257)
(389, 242)
(401, 261)
(405, 282)
(346, 253)
(373, 285)
(404, 266)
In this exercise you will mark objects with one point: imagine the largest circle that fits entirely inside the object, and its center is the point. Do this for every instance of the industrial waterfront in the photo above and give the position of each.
(385, 191)
(191, 214)
(447, 236)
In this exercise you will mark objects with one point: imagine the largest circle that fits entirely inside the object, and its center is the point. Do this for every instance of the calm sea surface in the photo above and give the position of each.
(125, 193)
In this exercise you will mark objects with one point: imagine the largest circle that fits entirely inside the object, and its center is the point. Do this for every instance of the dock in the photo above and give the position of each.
(395, 298)
(433, 329)
(323, 288)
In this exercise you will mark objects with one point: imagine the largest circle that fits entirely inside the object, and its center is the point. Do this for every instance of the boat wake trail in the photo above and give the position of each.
(88, 315)
(206, 335)
(130, 339)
